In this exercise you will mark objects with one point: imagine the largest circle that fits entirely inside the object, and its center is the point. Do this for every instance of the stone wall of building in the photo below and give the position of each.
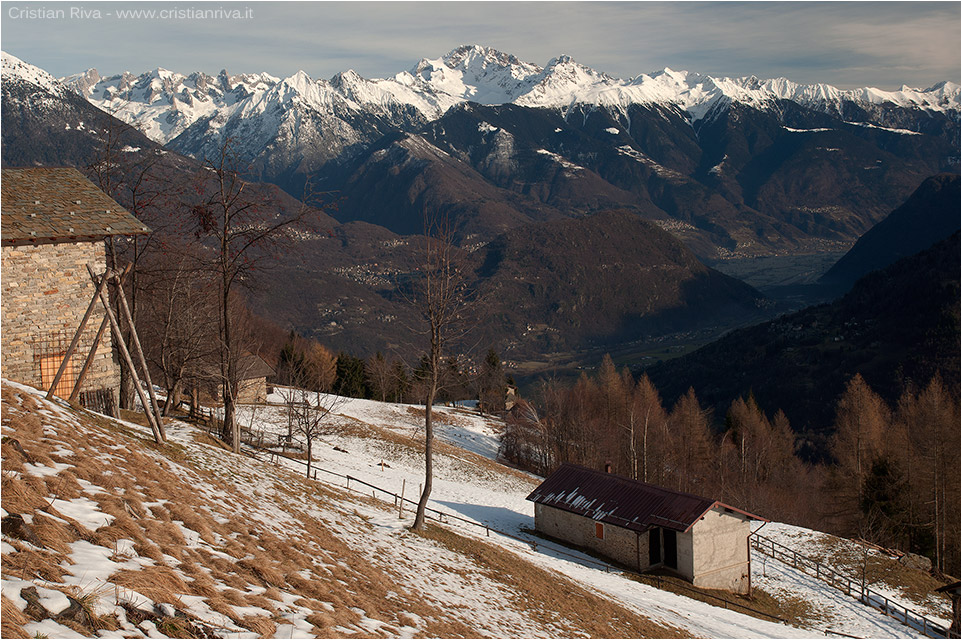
(252, 391)
(721, 558)
(620, 544)
(46, 290)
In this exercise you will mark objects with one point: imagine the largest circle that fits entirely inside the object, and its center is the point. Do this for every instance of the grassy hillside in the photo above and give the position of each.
(127, 539)
(187, 541)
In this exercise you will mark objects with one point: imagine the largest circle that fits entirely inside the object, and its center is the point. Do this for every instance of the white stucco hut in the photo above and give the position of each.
(646, 527)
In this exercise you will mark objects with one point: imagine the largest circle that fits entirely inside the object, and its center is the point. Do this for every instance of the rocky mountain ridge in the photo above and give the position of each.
(735, 167)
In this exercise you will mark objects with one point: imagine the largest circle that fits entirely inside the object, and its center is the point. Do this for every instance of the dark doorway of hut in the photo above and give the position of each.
(663, 548)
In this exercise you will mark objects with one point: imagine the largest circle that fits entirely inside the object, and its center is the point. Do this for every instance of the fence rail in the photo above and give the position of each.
(849, 586)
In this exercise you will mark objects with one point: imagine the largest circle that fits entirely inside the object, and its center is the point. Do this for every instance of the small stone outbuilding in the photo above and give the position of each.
(646, 527)
(254, 373)
(53, 223)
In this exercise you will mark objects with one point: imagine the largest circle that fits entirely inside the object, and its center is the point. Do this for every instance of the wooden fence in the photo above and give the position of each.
(849, 586)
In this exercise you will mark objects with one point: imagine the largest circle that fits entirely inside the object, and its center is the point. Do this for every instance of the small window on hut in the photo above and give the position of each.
(599, 530)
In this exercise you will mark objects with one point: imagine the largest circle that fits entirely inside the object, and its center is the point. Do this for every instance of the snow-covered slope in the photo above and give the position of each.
(372, 442)
(14, 69)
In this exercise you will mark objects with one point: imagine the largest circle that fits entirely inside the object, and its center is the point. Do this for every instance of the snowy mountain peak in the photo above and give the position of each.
(13, 68)
(300, 82)
(475, 58)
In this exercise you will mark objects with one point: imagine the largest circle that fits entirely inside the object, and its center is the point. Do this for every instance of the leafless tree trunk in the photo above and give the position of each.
(309, 414)
(442, 301)
(131, 176)
(178, 324)
(242, 232)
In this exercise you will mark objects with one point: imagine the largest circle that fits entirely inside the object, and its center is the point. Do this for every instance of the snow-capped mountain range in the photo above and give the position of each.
(736, 166)
(165, 104)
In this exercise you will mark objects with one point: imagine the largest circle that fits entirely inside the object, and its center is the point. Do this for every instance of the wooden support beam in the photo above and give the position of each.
(122, 347)
(93, 348)
(99, 286)
(122, 297)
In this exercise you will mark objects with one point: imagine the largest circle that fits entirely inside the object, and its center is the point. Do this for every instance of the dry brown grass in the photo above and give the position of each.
(158, 583)
(261, 569)
(849, 558)
(134, 478)
(260, 625)
(24, 495)
(11, 625)
(550, 597)
(797, 611)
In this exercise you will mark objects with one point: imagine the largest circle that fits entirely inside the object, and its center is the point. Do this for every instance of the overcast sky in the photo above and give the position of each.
(847, 44)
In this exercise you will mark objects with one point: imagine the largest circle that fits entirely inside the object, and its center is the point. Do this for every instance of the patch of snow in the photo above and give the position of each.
(805, 130)
(869, 125)
(83, 510)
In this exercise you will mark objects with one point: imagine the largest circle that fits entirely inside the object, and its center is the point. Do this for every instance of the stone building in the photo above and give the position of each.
(254, 373)
(252, 387)
(53, 223)
(645, 527)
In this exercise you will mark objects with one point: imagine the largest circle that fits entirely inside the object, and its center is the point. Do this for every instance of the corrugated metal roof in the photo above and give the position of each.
(43, 204)
(621, 501)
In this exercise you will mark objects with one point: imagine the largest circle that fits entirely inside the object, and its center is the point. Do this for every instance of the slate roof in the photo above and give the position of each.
(624, 502)
(253, 366)
(45, 204)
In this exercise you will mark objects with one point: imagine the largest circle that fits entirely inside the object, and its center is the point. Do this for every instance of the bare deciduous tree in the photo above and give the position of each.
(133, 177)
(179, 323)
(442, 298)
(309, 415)
(243, 233)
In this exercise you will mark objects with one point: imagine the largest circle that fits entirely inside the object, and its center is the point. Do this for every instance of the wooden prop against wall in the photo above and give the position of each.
(100, 284)
(151, 410)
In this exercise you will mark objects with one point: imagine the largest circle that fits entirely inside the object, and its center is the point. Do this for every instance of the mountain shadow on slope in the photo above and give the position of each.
(931, 214)
(897, 326)
(600, 280)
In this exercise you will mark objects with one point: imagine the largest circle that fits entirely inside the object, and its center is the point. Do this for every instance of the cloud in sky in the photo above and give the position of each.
(848, 44)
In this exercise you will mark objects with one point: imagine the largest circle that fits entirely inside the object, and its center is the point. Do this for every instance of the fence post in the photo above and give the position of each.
(400, 509)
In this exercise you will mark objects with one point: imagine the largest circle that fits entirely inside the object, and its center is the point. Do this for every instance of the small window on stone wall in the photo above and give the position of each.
(48, 352)
(600, 530)
(49, 365)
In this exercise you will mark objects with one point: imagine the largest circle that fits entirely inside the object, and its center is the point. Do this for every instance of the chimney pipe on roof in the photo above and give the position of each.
(607, 466)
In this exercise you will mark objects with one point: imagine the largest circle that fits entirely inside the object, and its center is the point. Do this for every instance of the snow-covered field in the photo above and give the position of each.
(465, 492)
(368, 441)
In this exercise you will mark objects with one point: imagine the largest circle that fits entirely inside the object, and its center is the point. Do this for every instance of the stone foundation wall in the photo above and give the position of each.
(620, 544)
(46, 290)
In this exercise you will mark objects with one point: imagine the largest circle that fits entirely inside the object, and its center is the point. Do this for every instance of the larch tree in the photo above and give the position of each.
(652, 430)
(861, 420)
(689, 423)
(936, 437)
